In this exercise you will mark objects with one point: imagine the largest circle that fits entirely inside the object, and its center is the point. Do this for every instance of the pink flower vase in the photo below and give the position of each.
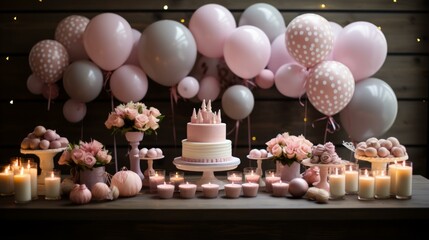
(288, 173)
(90, 177)
(134, 139)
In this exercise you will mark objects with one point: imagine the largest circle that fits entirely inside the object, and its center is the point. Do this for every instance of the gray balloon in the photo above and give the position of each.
(167, 52)
(237, 102)
(265, 17)
(371, 111)
(83, 80)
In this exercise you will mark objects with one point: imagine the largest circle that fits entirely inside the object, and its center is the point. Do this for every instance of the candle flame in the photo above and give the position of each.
(366, 172)
(336, 171)
(21, 171)
(6, 170)
(403, 163)
(350, 168)
(52, 175)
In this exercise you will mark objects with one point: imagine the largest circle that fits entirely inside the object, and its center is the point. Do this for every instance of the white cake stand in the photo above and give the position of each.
(259, 170)
(208, 170)
(379, 163)
(149, 168)
(323, 183)
(46, 164)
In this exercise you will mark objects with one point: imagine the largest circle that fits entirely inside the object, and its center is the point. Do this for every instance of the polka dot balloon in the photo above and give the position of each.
(309, 39)
(48, 60)
(69, 32)
(330, 87)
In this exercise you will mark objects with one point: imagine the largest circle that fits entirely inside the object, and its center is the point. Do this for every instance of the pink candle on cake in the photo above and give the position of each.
(250, 189)
(210, 190)
(165, 190)
(187, 190)
(232, 190)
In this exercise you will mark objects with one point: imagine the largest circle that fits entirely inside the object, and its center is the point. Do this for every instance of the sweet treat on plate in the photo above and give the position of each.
(258, 153)
(381, 148)
(42, 138)
(324, 154)
(206, 137)
(150, 153)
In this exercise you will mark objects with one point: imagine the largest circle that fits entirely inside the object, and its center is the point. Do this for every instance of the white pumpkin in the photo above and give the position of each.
(101, 191)
(80, 194)
(128, 183)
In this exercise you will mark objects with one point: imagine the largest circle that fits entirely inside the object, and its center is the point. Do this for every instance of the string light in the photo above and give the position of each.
(165, 7)
(182, 20)
(305, 119)
(394, 1)
(322, 5)
(253, 138)
(379, 27)
(11, 102)
(40, 1)
(15, 18)
(7, 58)
(418, 39)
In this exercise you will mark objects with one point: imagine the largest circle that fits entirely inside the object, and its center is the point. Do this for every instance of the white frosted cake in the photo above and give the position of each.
(206, 137)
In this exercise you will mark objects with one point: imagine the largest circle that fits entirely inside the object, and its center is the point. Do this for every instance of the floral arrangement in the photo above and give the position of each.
(324, 154)
(289, 148)
(134, 117)
(85, 155)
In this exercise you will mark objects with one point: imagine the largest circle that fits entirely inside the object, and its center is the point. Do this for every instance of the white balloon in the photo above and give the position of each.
(209, 88)
(74, 111)
(188, 87)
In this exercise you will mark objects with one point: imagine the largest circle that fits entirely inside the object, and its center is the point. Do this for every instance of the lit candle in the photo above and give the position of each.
(6, 182)
(382, 185)
(165, 190)
(187, 190)
(392, 174)
(337, 184)
(16, 165)
(22, 187)
(270, 178)
(250, 189)
(352, 178)
(280, 189)
(252, 177)
(235, 177)
(232, 190)
(404, 180)
(156, 179)
(210, 190)
(177, 178)
(31, 168)
(52, 185)
(366, 186)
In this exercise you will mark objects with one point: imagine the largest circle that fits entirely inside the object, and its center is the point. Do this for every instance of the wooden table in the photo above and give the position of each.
(221, 218)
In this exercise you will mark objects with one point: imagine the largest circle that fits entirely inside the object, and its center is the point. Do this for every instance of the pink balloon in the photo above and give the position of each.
(129, 83)
(69, 32)
(209, 88)
(34, 84)
(336, 29)
(74, 111)
(188, 87)
(50, 91)
(134, 55)
(362, 47)
(108, 40)
(330, 87)
(290, 80)
(309, 39)
(279, 54)
(247, 51)
(48, 60)
(211, 25)
(265, 79)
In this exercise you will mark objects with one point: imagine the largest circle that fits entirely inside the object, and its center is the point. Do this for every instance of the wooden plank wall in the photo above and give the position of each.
(25, 22)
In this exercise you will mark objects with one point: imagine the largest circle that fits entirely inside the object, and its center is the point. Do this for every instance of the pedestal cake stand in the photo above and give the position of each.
(259, 170)
(46, 164)
(379, 163)
(149, 168)
(323, 183)
(208, 170)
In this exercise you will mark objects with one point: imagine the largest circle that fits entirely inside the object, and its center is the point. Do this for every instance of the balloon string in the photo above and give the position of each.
(305, 117)
(173, 97)
(49, 97)
(115, 153)
(237, 125)
(248, 133)
(303, 86)
(331, 125)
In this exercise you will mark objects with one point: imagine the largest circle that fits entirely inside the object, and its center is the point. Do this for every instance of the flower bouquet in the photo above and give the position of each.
(288, 149)
(134, 117)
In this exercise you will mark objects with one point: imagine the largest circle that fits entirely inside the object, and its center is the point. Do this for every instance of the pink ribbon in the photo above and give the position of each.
(174, 97)
(331, 125)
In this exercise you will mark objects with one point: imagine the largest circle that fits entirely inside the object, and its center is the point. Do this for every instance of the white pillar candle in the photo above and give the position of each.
(404, 180)
(52, 185)
(235, 177)
(382, 185)
(210, 190)
(269, 180)
(250, 189)
(155, 180)
(187, 190)
(6, 181)
(392, 174)
(280, 189)
(165, 190)
(232, 190)
(337, 184)
(31, 168)
(22, 187)
(366, 185)
(352, 179)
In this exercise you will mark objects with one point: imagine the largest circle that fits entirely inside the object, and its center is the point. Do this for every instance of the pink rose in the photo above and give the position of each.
(302, 152)
(270, 144)
(89, 160)
(114, 120)
(311, 175)
(318, 150)
(103, 156)
(153, 122)
(131, 113)
(315, 159)
(325, 158)
(77, 155)
(140, 122)
(154, 112)
(64, 158)
(289, 151)
(277, 151)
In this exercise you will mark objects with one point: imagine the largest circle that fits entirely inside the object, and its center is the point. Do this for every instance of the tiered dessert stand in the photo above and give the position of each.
(259, 170)
(149, 168)
(323, 183)
(208, 170)
(46, 164)
(379, 163)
